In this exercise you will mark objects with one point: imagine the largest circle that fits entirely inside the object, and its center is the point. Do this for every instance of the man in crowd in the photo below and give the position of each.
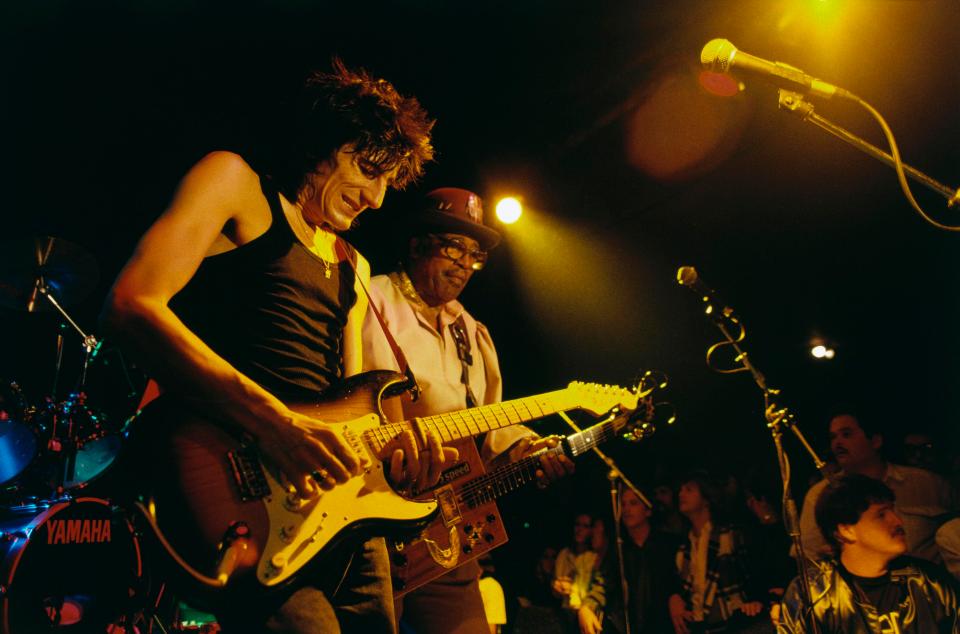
(455, 363)
(649, 573)
(241, 298)
(868, 585)
(712, 564)
(923, 498)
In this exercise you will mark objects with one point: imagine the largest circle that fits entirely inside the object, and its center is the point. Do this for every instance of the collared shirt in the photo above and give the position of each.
(699, 549)
(922, 499)
(432, 355)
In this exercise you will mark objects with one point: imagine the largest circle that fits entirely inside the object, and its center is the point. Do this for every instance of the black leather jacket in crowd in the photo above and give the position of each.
(929, 605)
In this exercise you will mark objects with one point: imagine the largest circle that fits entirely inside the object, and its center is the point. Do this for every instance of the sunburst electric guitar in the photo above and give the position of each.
(229, 519)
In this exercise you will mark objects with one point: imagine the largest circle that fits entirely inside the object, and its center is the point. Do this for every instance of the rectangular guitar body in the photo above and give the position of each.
(457, 535)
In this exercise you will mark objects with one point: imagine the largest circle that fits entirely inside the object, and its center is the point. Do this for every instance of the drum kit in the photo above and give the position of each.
(69, 557)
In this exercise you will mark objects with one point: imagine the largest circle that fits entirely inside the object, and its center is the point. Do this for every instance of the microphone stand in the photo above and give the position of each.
(777, 419)
(617, 480)
(794, 102)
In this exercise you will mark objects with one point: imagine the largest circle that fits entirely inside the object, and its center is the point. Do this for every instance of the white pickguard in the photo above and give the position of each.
(299, 529)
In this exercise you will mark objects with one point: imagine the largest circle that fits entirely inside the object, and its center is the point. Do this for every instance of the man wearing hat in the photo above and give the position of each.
(418, 304)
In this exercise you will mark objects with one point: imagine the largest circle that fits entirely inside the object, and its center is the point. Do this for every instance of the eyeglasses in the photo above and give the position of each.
(456, 250)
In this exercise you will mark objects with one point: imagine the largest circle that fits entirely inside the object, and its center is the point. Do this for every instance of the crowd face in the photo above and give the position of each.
(878, 531)
(690, 500)
(850, 445)
(634, 513)
(664, 495)
(548, 561)
(582, 529)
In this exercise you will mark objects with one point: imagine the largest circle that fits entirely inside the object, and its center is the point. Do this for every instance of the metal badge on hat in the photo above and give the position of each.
(474, 210)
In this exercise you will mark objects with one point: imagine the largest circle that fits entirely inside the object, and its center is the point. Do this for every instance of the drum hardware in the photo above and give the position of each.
(68, 559)
(45, 274)
(18, 440)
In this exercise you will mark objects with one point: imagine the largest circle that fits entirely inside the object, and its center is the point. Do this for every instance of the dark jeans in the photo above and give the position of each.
(359, 600)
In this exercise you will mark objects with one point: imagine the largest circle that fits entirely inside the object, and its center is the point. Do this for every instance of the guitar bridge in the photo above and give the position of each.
(248, 474)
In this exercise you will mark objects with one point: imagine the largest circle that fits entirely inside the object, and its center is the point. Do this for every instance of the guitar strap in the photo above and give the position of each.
(458, 329)
(350, 256)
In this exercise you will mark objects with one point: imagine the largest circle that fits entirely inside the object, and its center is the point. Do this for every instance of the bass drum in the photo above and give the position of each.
(74, 566)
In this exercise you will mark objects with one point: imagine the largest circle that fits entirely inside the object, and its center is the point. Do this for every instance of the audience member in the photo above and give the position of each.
(767, 539)
(923, 499)
(540, 609)
(920, 450)
(666, 517)
(948, 541)
(575, 566)
(868, 585)
(712, 564)
(649, 573)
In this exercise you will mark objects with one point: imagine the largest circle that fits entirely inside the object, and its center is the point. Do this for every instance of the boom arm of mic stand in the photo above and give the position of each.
(795, 103)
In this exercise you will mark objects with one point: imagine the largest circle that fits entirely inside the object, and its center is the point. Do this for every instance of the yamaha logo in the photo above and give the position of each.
(78, 531)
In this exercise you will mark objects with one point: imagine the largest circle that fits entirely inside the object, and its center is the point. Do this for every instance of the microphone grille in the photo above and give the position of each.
(687, 275)
(717, 55)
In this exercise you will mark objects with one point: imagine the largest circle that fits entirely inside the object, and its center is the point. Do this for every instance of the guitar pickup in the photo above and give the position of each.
(248, 474)
(449, 509)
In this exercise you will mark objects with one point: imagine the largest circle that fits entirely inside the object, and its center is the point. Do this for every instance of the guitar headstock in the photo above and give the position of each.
(649, 412)
(599, 399)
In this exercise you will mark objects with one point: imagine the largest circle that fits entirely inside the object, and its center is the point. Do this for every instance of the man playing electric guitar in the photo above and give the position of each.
(454, 360)
(241, 298)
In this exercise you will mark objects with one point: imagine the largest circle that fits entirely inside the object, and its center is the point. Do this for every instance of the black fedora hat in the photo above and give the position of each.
(453, 210)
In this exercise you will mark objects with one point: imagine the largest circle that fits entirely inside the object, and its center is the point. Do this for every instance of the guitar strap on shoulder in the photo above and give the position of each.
(340, 247)
(458, 329)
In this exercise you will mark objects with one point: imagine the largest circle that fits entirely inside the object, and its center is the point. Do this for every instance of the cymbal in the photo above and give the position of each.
(66, 270)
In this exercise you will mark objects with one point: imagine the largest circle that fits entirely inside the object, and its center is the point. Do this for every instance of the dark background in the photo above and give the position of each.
(592, 113)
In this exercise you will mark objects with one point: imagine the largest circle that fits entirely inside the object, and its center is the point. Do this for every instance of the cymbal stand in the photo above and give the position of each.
(67, 447)
(91, 344)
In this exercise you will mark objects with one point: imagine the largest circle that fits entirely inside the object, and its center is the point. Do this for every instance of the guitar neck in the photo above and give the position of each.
(511, 477)
(477, 420)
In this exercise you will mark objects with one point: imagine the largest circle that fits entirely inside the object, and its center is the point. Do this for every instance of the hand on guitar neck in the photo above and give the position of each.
(553, 466)
(416, 457)
(311, 454)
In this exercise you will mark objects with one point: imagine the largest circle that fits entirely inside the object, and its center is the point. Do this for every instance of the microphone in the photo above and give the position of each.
(688, 276)
(721, 56)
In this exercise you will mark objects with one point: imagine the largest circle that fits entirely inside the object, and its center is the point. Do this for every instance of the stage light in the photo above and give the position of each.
(509, 210)
(821, 351)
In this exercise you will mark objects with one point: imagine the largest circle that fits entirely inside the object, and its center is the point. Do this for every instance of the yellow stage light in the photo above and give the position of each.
(509, 210)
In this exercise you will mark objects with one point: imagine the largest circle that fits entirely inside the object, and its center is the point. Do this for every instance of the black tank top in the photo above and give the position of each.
(268, 308)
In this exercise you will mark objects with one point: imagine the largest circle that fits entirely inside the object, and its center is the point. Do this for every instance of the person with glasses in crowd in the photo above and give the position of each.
(455, 363)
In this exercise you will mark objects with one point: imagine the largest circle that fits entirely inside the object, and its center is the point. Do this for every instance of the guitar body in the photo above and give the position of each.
(227, 519)
(457, 535)
(232, 526)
